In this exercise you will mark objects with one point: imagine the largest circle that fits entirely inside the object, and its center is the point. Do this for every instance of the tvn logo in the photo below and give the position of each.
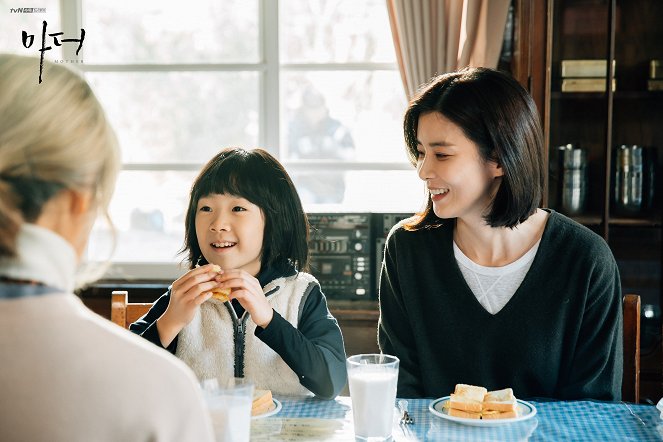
(26, 10)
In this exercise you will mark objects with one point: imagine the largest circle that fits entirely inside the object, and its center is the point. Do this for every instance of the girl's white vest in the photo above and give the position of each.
(206, 344)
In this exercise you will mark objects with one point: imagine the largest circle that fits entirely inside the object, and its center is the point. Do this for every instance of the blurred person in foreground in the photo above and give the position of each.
(65, 375)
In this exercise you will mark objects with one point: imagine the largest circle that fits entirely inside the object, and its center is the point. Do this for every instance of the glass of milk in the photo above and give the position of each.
(373, 379)
(229, 405)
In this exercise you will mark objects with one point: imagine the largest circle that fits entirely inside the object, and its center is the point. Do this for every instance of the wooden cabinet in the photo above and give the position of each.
(358, 321)
(628, 34)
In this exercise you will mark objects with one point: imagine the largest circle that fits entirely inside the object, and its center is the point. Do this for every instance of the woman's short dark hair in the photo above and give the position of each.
(260, 178)
(498, 114)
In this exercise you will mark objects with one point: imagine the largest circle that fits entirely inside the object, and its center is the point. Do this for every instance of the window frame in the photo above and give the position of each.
(268, 69)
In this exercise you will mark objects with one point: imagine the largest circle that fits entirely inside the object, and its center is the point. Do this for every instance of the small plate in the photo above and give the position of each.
(275, 408)
(525, 411)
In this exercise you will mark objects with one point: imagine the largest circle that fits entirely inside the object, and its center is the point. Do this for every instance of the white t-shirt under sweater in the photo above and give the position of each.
(494, 286)
(207, 343)
(70, 375)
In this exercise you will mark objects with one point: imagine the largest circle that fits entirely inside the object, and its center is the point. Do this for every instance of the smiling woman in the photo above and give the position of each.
(483, 287)
(453, 169)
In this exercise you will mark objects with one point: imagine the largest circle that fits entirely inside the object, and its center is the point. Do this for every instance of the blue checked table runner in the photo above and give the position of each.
(319, 420)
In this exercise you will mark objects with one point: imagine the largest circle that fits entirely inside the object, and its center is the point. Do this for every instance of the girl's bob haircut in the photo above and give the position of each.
(260, 178)
(496, 113)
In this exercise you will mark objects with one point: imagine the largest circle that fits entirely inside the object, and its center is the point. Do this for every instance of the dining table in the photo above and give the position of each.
(313, 419)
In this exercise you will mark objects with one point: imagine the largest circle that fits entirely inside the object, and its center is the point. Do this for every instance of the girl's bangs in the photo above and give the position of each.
(232, 177)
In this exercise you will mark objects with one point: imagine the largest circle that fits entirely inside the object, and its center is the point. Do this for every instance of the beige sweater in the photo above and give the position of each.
(69, 375)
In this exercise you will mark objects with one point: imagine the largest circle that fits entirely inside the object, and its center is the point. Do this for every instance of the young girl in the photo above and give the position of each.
(246, 231)
(483, 287)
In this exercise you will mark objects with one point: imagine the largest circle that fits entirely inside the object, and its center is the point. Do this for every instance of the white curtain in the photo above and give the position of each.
(432, 37)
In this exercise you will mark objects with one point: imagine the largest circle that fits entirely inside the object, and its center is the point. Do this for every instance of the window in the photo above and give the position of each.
(313, 82)
(14, 20)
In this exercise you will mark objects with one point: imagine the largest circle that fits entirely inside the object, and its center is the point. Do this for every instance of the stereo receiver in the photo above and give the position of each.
(340, 249)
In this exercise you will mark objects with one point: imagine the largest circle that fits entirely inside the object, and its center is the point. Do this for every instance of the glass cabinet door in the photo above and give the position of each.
(605, 145)
(577, 139)
(637, 134)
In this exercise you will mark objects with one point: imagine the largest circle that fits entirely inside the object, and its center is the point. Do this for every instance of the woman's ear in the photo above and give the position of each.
(495, 169)
(80, 201)
(70, 214)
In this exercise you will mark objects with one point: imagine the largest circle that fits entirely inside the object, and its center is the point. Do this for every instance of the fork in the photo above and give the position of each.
(405, 416)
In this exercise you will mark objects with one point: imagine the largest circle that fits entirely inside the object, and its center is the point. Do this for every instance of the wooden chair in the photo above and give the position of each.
(631, 378)
(123, 312)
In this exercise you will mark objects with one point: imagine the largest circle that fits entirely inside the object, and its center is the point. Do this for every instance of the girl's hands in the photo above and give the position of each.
(247, 290)
(186, 294)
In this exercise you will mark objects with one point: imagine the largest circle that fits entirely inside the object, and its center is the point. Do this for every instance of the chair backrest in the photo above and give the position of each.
(123, 312)
(631, 379)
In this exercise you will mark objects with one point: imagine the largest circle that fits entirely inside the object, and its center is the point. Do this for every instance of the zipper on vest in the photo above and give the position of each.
(239, 326)
(239, 347)
(238, 339)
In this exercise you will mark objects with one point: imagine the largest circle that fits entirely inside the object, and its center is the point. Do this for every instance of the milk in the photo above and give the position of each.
(231, 417)
(373, 393)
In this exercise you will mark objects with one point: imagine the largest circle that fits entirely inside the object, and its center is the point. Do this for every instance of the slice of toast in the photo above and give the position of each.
(262, 402)
(467, 398)
(460, 402)
(464, 414)
(500, 400)
(492, 414)
(470, 392)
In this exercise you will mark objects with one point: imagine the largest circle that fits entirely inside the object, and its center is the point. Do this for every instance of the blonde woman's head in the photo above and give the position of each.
(53, 136)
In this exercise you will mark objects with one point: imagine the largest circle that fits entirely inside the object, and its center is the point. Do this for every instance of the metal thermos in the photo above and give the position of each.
(629, 179)
(573, 162)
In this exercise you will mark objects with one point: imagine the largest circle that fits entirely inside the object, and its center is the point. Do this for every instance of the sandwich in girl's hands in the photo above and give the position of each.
(473, 402)
(220, 294)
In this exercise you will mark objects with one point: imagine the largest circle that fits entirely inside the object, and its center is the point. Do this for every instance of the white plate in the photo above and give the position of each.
(525, 411)
(275, 408)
